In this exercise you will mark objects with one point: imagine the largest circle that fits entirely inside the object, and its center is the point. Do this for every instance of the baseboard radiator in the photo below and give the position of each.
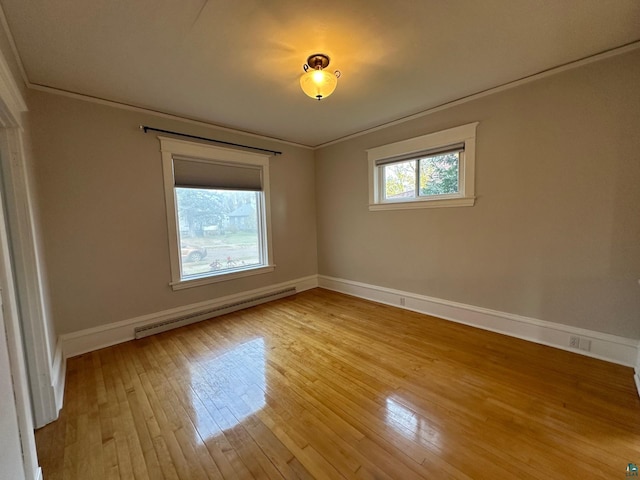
(163, 326)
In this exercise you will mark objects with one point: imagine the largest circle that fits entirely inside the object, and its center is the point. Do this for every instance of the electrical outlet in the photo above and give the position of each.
(585, 344)
(574, 342)
(402, 301)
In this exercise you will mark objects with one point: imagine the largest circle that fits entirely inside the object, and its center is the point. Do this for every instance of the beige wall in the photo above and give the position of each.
(555, 232)
(99, 184)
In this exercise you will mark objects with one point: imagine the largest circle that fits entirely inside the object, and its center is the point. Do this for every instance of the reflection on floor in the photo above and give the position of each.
(321, 385)
(239, 375)
(411, 424)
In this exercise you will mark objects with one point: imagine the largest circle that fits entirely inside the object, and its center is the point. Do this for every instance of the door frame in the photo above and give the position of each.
(17, 356)
(43, 353)
(26, 329)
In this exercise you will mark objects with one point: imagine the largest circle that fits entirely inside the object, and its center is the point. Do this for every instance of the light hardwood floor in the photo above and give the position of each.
(323, 385)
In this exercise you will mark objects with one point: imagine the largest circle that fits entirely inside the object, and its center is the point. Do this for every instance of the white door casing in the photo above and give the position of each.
(10, 448)
(12, 106)
(18, 407)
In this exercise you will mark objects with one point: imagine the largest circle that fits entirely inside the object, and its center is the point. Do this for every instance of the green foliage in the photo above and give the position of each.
(400, 179)
(199, 208)
(439, 174)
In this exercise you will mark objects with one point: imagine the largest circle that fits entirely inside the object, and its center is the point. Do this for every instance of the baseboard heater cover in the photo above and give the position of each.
(163, 326)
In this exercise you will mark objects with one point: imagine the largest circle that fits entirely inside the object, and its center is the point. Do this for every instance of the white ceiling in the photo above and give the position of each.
(237, 63)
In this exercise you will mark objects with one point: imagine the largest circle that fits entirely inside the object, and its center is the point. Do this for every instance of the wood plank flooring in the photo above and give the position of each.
(327, 386)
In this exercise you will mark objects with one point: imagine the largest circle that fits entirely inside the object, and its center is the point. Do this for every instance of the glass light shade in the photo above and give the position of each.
(318, 83)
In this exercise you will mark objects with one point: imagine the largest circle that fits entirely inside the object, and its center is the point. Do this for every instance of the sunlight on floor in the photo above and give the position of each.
(229, 388)
(410, 424)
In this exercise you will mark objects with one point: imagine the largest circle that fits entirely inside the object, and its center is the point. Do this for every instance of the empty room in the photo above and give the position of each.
(319, 240)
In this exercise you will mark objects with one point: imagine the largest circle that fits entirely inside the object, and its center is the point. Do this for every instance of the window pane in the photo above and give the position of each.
(219, 230)
(400, 180)
(439, 174)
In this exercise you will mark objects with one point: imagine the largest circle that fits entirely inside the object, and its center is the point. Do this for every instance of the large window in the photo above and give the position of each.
(217, 203)
(434, 170)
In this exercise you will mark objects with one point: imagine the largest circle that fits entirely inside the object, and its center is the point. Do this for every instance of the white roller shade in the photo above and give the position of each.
(192, 173)
(456, 148)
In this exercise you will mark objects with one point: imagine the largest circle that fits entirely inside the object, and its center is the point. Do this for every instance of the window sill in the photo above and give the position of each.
(444, 203)
(221, 277)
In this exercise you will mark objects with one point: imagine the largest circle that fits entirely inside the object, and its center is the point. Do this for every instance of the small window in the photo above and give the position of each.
(217, 203)
(428, 175)
(435, 170)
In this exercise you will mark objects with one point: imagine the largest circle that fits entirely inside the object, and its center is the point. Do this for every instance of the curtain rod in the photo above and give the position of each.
(145, 129)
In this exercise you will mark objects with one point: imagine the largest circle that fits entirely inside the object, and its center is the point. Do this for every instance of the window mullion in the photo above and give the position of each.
(417, 167)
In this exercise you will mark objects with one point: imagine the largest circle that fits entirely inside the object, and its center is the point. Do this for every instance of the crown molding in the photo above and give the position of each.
(622, 49)
(629, 47)
(157, 113)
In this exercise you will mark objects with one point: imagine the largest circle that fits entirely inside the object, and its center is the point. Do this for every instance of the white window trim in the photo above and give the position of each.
(170, 147)
(465, 198)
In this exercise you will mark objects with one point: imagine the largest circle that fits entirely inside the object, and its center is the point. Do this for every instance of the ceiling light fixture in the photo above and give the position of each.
(317, 82)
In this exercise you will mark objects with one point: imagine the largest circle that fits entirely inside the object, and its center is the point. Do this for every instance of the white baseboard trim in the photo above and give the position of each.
(620, 350)
(59, 376)
(90, 339)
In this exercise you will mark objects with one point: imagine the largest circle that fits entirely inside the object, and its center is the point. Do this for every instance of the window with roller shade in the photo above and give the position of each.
(217, 202)
(430, 173)
(434, 170)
